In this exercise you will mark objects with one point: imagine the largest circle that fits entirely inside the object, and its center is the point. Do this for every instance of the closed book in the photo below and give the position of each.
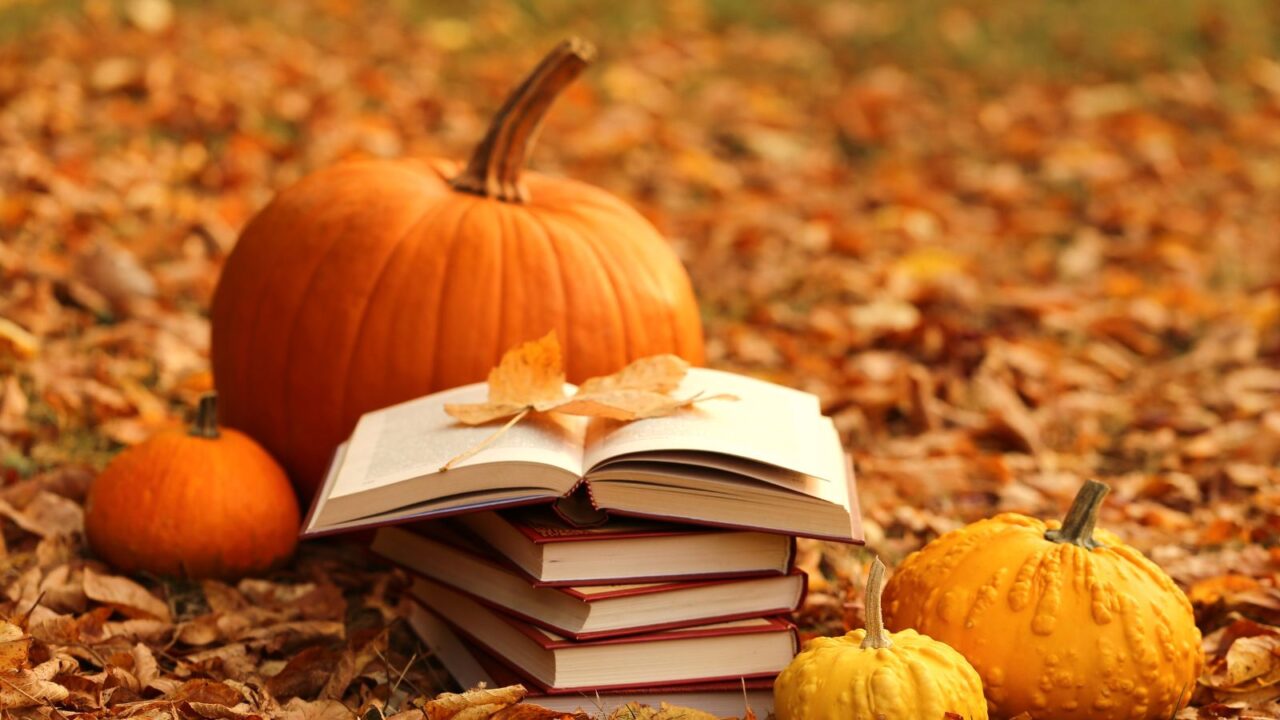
(584, 612)
(471, 667)
(554, 552)
(727, 651)
(766, 461)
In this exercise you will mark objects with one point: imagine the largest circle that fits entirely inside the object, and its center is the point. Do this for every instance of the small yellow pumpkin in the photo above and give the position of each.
(1061, 621)
(875, 674)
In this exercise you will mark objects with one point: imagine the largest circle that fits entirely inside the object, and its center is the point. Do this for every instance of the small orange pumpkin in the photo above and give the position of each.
(372, 282)
(207, 503)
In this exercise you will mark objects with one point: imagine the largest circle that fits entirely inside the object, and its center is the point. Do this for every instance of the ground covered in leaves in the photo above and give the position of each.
(998, 288)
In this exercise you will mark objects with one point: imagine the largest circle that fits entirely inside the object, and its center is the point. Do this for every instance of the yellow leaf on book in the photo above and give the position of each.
(531, 378)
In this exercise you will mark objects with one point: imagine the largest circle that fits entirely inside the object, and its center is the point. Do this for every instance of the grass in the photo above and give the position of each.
(996, 40)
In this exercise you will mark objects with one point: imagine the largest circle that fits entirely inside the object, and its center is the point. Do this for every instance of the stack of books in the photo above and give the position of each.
(598, 561)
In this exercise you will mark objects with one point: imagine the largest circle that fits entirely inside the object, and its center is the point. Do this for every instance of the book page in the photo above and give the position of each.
(768, 424)
(417, 437)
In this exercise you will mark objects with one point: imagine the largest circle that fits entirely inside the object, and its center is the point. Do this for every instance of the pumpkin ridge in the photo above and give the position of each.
(283, 250)
(285, 391)
(431, 212)
(572, 364)
(567, 311)
(651, 275)
(451, 238)
(455, 240)
(614, 286)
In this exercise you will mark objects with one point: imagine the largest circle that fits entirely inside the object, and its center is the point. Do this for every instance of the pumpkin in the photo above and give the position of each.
(1062, 621)
(872, 673)
(204, 503)
(372, 282)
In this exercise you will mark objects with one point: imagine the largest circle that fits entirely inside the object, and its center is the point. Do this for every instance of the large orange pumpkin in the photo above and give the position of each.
(372, 282)
(205, 503)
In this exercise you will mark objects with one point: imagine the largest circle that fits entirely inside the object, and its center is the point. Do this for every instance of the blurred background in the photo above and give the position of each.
(1009, 244)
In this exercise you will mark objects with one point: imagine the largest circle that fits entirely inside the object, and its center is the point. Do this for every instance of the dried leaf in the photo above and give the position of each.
(351, 664)
(124, 595)
(447, 705)
(15, 645)
(531, 378)
(636, 711)
(529, 711)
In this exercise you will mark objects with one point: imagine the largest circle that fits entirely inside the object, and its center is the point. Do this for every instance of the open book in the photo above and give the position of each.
(767, 461)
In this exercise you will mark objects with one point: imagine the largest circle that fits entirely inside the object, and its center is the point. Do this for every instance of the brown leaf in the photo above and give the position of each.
(47, 515)
(529, 711)
(125, 596)
(448, 705)
(35, 687)
(145, 668)
(207, 691)
(15, 645)
(299, 709)
(305, 673)
(16, 341)
(109, 268)
(351, 664)
(636, 711)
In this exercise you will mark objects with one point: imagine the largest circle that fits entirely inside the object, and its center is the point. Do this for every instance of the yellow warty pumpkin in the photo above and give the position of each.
(875, 674)
(1060, 620)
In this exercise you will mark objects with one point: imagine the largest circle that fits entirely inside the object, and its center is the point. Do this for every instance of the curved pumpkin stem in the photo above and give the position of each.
(206, 422)
(494, 168)
(877, 638)
(1077, 526)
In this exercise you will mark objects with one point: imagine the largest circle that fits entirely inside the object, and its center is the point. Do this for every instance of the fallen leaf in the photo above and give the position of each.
(447, 705)
(305, 673)
(16, 341)
(529, 711)
(636, 711)
(15, 645)
(125, 596)
(351, 664)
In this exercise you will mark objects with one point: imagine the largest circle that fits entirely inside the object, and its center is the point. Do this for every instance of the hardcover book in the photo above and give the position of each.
(726, 651)
(554, 552)
(587, 612)
(471, 667)
(766, 461)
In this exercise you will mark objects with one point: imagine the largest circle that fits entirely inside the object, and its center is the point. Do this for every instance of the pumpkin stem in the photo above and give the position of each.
(494, 168)
(877, 638)
(1077, 526)
(206, 422)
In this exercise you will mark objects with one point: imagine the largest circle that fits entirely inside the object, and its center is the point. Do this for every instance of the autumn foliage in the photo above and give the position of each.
(999, 285)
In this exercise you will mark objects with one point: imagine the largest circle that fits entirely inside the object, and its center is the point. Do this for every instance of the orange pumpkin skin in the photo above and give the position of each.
(1060, 630)
(185, 506)
(373, 282)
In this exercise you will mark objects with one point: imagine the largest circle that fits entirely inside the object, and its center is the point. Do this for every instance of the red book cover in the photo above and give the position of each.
(471, 666)
(543, 527)
(459, 542)
(479, 621)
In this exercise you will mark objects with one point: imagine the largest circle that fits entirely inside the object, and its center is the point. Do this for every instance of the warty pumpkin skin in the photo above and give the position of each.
(206, 503)
(874, 674)
(1061, 620)
(373, 282)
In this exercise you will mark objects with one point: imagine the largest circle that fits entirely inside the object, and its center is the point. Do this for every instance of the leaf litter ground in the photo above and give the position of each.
(996, 292)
